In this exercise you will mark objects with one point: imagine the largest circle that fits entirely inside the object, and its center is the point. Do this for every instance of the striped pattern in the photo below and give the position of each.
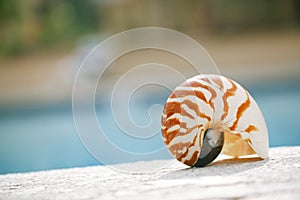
(211, 101)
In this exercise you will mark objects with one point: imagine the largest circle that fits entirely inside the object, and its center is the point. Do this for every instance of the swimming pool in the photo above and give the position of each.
(45, 137)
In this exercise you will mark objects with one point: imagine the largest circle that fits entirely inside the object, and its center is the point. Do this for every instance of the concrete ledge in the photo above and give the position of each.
(275, 178)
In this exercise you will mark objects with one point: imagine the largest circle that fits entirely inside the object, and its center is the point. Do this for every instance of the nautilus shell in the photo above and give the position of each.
(210, 114)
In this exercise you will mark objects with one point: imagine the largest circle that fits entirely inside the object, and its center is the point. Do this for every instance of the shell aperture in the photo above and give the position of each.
(210, 114)
(212, 146)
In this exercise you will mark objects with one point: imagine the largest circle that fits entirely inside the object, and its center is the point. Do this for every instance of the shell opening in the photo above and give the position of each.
(211, 147)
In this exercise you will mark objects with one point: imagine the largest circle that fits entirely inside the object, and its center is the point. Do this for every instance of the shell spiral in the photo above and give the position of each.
(213, 102)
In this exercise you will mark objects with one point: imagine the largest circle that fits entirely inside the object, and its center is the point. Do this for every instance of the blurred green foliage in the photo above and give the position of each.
(66, 21)
(8, 10)
(9, 22)
(35, 24)
(243, 15)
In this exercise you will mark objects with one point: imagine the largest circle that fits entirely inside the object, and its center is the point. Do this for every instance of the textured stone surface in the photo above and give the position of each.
(275, 178)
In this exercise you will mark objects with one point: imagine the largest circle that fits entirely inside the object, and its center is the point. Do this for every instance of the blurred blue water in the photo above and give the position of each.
(42, 138)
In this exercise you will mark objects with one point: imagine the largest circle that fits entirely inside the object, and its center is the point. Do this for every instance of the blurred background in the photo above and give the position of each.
(43, 43)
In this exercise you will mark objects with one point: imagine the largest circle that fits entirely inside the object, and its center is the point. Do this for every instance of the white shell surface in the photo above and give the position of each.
(216, 102)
